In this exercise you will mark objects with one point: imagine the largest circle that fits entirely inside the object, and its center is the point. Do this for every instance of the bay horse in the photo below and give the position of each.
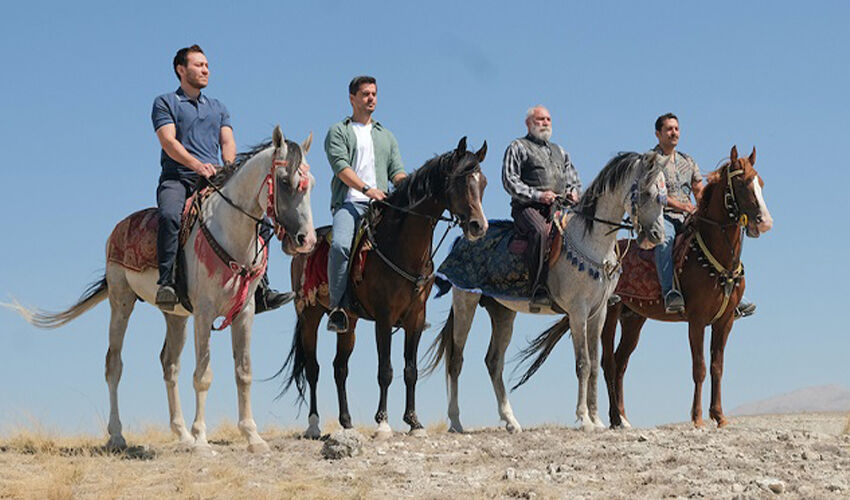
(395, 285)
(266, 180)
(711, 280)
(580, 281)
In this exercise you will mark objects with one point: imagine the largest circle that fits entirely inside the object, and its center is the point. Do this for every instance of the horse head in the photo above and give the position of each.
(465, 189)
(292, 186)
(744, 198)
(645, 204)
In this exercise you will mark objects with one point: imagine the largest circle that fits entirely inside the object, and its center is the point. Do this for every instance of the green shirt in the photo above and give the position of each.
(341, 147)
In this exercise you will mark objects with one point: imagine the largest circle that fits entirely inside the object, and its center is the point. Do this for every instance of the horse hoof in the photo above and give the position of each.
(383, 432)
(418, 432)
(456, 429)
(116, 444)
(699, 423)
(203, 450)
(513, 428)
(722, 422)
(259, 447)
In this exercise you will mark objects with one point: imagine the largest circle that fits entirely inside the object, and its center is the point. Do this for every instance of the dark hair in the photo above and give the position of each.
(182, 57)
(357, 81)
(663, 118)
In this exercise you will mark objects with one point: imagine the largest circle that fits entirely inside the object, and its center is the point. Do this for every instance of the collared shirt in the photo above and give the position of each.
(532, 166)
(198, 124)
(341, 149)
(679, 175)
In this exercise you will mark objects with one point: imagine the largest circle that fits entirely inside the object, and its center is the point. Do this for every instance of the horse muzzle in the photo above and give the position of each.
(474, 229)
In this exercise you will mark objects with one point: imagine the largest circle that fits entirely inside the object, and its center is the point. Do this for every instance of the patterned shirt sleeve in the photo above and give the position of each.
(511, 180)
(696, 176)
(573, 182)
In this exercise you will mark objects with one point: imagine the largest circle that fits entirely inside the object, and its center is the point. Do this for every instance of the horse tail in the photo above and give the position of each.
(92, 296)
(293, 368)
(541, 347)
(441, 347)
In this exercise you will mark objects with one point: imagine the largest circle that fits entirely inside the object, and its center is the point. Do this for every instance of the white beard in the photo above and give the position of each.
(540, 133)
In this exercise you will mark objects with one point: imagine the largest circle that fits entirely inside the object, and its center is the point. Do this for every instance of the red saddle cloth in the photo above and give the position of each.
(640, 279)
(314, 282)
(132, 243)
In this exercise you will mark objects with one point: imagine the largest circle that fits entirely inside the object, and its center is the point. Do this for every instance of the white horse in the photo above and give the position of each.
(267, 179)
(580, 283)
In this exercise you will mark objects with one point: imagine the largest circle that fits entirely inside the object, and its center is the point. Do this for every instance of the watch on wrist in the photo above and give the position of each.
(365, 188)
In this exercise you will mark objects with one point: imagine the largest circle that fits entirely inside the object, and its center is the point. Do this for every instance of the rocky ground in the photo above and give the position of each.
(789, 456)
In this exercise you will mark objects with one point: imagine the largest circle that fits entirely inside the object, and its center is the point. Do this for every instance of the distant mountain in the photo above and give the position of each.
(809, 399)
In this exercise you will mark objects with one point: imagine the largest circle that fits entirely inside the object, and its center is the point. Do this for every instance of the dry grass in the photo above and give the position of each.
(847, 425)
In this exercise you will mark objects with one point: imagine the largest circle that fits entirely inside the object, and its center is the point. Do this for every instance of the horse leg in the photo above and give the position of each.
(502, 323)
(630, 327)
(594, 330)
(609, 365)
(202, 377)
(240, 337)
(719, 335)
(578, 325)
(344, 348)
(121, 302)
(696, 334)
(412, 335)
(310, 319)
(169, 357)
(463, 308)
(383, 341)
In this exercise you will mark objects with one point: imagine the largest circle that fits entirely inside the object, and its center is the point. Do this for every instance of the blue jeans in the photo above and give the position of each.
(664, 254)
(345, 222)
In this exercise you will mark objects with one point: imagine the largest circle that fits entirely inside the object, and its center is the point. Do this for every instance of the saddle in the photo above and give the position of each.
(519, 244)
(313, 282)
(639, 280)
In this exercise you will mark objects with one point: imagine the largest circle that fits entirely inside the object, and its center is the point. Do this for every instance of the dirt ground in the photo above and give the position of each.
(788, 456)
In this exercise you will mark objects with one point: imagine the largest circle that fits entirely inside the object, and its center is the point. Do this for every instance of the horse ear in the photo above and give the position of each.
(307, 143)
(733, 156)
(461, 145)
(481, 153)
(277, 137)
(752, 157)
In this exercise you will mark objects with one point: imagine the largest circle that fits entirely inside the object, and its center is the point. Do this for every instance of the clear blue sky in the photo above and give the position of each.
(80, 154)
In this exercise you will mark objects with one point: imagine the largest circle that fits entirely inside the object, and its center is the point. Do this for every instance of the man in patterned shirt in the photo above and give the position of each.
(683, 178)
(539, 175)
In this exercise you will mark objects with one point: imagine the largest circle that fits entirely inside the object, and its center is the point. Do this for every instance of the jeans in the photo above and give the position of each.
(664, 254)
(345, 221)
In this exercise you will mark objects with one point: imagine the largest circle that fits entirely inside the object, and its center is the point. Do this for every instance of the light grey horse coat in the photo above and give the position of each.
(211, 293)
(580, 283)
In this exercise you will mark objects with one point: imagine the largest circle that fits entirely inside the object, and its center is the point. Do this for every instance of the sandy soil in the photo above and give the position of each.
(790, 456)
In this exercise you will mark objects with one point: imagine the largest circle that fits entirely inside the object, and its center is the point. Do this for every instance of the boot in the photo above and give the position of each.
(267, 298)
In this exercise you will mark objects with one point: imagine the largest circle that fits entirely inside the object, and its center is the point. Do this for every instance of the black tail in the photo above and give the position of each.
(541, 347)
(294, 365)
(440, 348)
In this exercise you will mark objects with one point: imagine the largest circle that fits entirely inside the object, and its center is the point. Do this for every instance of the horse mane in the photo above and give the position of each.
(611, 176)
(429, 180)
(225, 173)
(712, 181)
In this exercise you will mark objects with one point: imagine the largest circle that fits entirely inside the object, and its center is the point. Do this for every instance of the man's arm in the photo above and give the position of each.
(228, 145)
(167, 135)
(511, 176)
(573, 181)
(350, 179)
(337, 156)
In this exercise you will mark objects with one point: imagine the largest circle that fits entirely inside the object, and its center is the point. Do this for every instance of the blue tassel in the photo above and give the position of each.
(575, 261)
(581, 267)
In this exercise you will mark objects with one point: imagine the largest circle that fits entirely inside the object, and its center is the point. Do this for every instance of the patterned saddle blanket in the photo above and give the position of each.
(639, 279)
(491, 265)
(314, 278)
(132, 243)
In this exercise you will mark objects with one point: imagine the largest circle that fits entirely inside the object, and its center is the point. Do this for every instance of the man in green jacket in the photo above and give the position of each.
(364, 157)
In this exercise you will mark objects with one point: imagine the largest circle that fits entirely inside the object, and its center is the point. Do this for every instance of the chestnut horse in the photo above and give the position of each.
(396, 281)
(711, 280)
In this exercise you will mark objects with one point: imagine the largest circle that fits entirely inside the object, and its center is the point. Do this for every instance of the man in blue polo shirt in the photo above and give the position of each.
(192, 129)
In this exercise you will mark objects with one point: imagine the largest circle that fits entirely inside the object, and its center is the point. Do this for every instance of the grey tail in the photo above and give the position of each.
(92, 296)
(539, 349)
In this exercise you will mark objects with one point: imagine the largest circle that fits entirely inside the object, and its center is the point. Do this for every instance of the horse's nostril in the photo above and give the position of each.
(474, 227)
(301, 238)
(656, 235)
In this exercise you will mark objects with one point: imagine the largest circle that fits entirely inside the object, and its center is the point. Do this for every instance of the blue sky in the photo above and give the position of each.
(80, 154)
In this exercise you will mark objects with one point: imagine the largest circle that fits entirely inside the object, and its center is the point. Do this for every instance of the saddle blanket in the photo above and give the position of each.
(132, 243)
(487, 265)
(314, 281)
(639, 280)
